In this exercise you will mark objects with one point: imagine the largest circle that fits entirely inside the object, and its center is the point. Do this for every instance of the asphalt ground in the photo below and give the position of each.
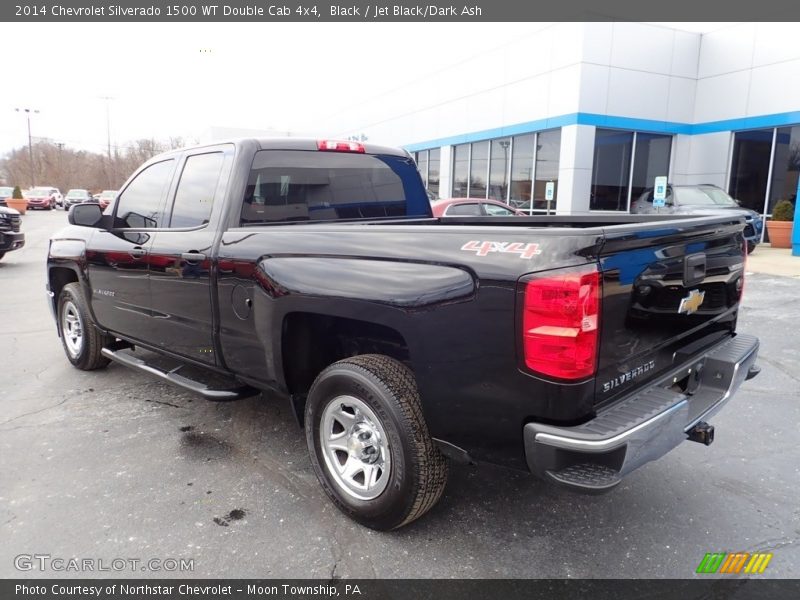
(115, 465)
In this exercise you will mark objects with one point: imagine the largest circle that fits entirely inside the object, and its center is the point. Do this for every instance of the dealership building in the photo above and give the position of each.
(578, 117)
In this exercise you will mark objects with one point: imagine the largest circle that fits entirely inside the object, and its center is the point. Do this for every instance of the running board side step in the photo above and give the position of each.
(172, 376)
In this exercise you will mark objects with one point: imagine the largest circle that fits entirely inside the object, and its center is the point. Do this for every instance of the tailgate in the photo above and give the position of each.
(670, 290)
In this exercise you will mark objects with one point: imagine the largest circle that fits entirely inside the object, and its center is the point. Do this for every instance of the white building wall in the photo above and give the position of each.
(669, 79)
(575, 169)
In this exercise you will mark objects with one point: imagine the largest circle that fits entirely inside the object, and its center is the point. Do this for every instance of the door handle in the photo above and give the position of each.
(193, 257)
(137, 252)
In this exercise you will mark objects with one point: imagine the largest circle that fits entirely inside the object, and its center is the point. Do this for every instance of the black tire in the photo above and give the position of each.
(418, 471)
(87, 356)
(750, 247)
(2, 254)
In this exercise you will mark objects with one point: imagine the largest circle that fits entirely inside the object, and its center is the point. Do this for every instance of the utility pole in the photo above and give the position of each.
(28, 112)
(60, 166)
(108, 100)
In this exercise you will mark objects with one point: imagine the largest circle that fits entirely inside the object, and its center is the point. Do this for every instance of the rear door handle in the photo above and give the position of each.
(193, 257)
(137, 252)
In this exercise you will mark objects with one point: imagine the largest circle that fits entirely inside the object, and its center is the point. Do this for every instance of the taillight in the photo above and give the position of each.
(560, 321)
(340, 146)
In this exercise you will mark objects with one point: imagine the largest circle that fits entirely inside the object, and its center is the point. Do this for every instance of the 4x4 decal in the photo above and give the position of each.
(484, 248)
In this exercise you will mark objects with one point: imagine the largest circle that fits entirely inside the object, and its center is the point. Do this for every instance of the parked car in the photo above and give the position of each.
(11, 238)
(106, 197)
(316, 270)
(42, 197)
(452, 207)
(5, 194)
(702, 199)
(76, 196)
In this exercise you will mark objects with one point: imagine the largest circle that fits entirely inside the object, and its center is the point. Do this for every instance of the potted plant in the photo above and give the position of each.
(779, 226)
(17, 201)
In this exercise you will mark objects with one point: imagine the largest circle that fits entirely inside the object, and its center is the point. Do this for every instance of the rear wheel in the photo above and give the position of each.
(369, 443)
(750, 247)
(81, 339)
(2, 254)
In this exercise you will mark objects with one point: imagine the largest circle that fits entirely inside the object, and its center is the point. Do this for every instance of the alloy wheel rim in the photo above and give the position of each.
(355, 448)
(72, 328)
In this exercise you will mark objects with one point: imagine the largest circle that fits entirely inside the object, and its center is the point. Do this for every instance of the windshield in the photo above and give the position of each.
(40, 192)
(6, 191)
(108, 195)
(76, 194)
(703, 196)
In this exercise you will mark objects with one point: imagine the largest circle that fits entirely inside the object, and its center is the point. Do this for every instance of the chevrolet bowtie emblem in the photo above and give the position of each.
(692, 302)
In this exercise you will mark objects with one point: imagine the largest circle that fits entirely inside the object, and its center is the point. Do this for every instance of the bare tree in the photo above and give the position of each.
(64, 167)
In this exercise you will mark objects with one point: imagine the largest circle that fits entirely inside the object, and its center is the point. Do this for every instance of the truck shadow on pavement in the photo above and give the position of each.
(262, 437)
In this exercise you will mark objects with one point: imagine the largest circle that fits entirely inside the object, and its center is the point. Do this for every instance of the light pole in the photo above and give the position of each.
(28, 112)
(108, 135)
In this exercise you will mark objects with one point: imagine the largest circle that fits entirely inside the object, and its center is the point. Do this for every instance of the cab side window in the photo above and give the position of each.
(196, 189)
(140, 205)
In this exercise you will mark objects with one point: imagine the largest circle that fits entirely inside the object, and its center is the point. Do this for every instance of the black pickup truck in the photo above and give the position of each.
(11, 238)
(578, 348)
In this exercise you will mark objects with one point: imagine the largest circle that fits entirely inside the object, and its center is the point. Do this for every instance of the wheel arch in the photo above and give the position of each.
(312, 341)
(57, 278)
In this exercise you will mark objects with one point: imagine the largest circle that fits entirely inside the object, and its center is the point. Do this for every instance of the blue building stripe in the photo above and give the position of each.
(615, 122)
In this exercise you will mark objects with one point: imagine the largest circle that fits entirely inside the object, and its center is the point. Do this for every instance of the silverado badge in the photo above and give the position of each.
(692, 302)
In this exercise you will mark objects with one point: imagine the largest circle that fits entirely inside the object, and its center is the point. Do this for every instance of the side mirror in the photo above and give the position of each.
(85, 215)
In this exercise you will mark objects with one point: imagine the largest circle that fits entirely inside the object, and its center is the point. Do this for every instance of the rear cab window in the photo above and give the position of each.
(302, 185)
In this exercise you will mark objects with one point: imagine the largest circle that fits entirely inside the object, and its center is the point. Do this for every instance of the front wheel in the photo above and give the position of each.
(750, 247)
(369, 444)
(81, 339)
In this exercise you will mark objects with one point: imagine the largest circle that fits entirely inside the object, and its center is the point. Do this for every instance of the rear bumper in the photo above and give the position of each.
(11, 240)
(594, 457)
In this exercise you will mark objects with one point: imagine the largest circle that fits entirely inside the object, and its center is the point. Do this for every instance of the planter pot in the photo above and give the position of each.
(20, 205)
(780, 233)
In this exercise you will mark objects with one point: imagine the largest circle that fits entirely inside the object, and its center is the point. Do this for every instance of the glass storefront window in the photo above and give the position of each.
(460, 170)
(434, 160)
(422, 165)
(750, 167)
(611, 169)
(498, 169)
(786, 166)
(548, 150)
(503, 169)
(651, 160)
(522, 170)
(479, 166)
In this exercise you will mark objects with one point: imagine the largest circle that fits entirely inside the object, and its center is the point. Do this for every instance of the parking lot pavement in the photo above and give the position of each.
(113, 464)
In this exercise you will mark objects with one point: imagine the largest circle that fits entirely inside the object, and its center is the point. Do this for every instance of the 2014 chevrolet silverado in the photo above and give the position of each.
(578, 348)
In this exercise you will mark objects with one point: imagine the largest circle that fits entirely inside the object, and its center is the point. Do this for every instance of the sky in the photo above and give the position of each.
(179, 79)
